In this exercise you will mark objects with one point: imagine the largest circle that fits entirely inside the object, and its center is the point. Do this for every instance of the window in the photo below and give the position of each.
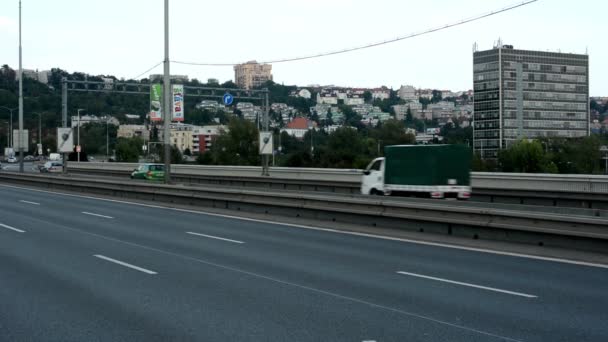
(376, 165)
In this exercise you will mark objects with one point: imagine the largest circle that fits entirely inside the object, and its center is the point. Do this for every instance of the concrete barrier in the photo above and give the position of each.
(580, 191)
(552, 229)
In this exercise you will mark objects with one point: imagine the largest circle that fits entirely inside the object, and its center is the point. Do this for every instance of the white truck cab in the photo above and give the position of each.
(373, 178)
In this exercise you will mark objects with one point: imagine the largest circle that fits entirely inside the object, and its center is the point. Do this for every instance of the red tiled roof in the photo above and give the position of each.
(298, 123)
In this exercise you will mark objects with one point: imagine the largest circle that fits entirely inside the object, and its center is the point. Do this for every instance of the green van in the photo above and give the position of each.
(149, 172)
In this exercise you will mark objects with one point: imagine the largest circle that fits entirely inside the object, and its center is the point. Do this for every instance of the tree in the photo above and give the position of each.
(525, 156)
(392, 132)
(229, 85)
(367, 96)
(239, 146)
(127, 149)
(176, 155)
(329, 121)
(437, 96)
(187, 152)
(409, 118)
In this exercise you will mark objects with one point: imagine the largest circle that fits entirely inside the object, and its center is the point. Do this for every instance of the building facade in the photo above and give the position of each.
(131, 131)
(522, 94)
(252, 74)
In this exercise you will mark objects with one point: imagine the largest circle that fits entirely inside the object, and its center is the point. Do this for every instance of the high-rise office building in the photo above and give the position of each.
(521, 94)
(252, 74)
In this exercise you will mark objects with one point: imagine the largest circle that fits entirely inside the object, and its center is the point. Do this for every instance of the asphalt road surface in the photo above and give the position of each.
(83, 269)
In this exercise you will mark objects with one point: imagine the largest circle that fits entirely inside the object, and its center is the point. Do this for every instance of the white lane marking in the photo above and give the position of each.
(98, 215)
(303, 287)
(468, 284)
(369, 235)
(12, 228)
(124, 264)
(29, 202)
(214, 237)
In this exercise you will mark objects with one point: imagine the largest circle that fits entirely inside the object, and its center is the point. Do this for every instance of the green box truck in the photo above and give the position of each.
(436, 171)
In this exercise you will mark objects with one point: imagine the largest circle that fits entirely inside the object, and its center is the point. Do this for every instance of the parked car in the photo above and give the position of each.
(52, 166)
(11, 160)
(149, 172)
(29, 158)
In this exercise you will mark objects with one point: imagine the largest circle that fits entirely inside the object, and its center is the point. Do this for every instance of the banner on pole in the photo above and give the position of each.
(178, 103)
(156, 95)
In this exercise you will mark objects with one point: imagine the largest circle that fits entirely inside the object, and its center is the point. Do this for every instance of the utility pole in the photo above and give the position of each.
(10, 127)
(64, 116)
(78, 138)
(167, 96)
(107, 139)
(266, 112)
(20, 135)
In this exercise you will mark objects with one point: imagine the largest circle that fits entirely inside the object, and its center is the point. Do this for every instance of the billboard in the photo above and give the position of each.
(156, 94)
(24, 140)
(178, 103)
(65, 140)
(266, 143)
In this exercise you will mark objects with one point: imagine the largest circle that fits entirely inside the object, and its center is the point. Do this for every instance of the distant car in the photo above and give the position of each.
(149, 172)
(52, 166)
(11, 160)
(29, 158)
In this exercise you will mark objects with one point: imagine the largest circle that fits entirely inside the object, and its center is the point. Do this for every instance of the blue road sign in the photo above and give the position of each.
(228, 99)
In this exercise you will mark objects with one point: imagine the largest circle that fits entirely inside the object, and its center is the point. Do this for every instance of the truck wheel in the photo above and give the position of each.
(375, 192)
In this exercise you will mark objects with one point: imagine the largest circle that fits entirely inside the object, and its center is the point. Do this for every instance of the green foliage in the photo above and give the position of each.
(437, 96)
(93, 138)
(525, 156)
(237, 147)
(176, 155)
(392, 132)
(128, 150)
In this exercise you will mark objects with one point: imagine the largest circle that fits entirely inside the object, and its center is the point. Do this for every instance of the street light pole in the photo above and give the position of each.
(167, 96)
(19, 136)
(107, 139)
(10, 128)
(78, 138)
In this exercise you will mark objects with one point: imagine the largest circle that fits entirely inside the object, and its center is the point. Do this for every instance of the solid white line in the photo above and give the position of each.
(214, 237)
(124, 264)
(369, 235)
(98, 215)
(12, 228)
(28, 202)
(469, 285)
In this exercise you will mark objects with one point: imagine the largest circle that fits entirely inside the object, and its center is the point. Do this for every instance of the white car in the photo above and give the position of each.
(12, 160)
(51, 167)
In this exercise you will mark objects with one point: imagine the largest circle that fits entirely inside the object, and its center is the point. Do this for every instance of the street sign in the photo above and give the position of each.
(266, 143)
(24, 140)
(65, 140)
(39, 148)
(228, 99)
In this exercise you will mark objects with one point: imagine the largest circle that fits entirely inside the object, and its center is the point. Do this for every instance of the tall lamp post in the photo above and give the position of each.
(78, 138)
(167, 97)
(10, 140)
(19, 136)
(604, 149)
(39, 132)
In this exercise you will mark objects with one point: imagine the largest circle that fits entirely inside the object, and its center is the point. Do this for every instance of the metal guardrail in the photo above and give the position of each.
(583, 191)
(588, 233)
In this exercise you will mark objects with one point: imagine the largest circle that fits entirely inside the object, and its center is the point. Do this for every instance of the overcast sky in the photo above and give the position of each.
(124, 38)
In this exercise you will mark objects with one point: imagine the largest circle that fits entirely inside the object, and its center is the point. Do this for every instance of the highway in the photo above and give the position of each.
(75, 268)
